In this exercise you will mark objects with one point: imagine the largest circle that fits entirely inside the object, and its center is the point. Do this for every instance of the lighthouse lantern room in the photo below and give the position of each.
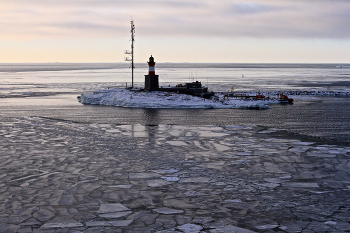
(151, 80)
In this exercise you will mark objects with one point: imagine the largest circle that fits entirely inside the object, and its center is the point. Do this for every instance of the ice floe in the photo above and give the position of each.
(112, 208)
(157, 183)
(170, 178)
(169, 171)
(167, 211)
(195, 180)
(234, 201)
(190, 228)
(62, 225)
(121, 186)
(117, 223)
(143, 175)
(194, 194)
(116, 214)
(301, 185)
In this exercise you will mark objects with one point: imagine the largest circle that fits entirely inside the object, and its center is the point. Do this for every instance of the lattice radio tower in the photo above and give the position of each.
(131, 53)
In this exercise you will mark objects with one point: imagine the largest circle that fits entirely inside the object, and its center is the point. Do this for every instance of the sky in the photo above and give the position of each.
(229, 31)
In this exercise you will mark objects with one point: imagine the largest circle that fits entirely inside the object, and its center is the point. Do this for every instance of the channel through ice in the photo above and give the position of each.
(157, 99)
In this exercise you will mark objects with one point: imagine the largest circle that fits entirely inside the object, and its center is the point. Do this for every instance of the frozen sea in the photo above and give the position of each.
(69, 167)
(50, 91)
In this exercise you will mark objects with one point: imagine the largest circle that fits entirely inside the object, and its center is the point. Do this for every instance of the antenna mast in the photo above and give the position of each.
(131, 53)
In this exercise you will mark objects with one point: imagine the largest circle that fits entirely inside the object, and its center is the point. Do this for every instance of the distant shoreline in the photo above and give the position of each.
(33, 67)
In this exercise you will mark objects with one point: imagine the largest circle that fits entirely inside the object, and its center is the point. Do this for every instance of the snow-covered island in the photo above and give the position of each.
(122, 97)
(157, 99)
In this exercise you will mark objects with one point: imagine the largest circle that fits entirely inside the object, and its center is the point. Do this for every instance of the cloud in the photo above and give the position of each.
(33, 19)
(251, 8)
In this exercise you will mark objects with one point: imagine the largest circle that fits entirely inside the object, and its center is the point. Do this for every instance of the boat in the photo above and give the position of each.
(259, 97)
(285, 99)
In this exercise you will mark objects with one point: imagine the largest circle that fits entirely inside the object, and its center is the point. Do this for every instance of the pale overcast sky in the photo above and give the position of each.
(291, 31)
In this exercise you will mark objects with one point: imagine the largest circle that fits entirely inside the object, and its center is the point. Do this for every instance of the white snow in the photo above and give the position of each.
(139, 99)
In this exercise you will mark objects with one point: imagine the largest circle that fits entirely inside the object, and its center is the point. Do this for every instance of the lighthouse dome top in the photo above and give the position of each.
(151, 58)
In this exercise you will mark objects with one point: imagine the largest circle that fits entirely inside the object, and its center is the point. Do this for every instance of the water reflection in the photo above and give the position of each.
(151, 116)
(146, 127)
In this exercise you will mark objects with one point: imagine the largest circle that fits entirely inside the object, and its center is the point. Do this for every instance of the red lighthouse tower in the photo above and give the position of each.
(151, 63)
(151, 80)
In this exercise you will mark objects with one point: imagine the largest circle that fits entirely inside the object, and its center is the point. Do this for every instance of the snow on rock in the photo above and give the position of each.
(139, 99)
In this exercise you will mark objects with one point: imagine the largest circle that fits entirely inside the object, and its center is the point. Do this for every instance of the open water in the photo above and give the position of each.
(50, 91)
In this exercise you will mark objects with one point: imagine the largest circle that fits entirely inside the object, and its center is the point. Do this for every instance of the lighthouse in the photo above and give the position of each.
(151, 80)
(151, 69)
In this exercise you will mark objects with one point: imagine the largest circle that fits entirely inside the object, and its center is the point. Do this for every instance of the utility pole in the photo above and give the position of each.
(131, 53)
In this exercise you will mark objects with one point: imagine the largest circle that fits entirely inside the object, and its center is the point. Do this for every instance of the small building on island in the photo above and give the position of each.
(193, 88)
